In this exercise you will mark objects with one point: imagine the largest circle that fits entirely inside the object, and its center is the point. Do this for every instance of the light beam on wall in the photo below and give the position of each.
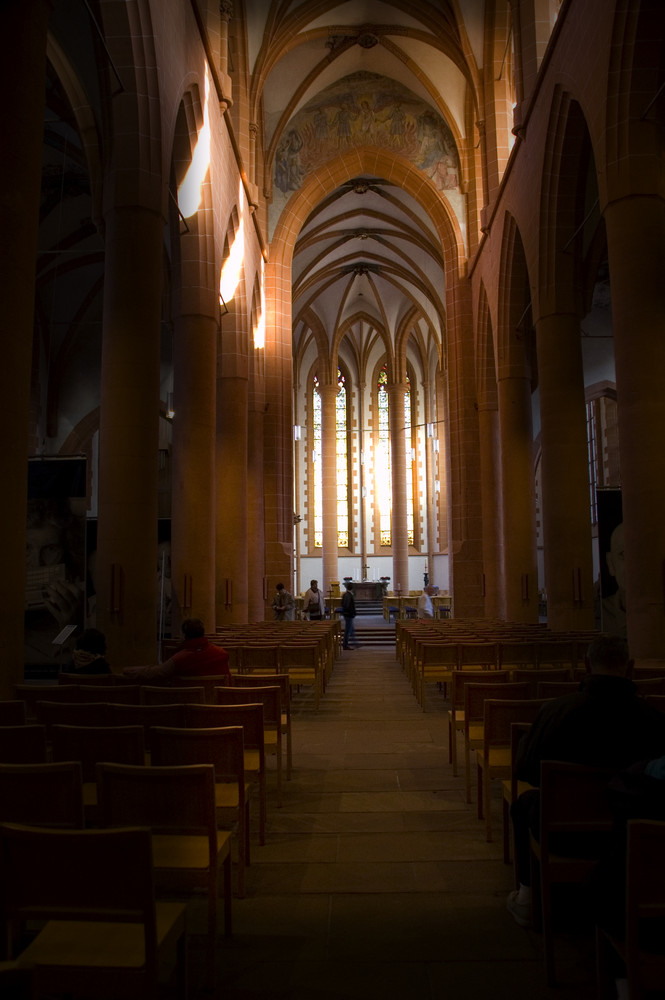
(190, 191)
(260, 329)
(230, 276)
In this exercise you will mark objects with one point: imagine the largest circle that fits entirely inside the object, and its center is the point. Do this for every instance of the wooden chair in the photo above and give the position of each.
(93, 744)
(67, 677)
(512, 788)
(474, 716)
(208, 682)
(574, 810)
(42, 794)
(556, 653)
(178, 804)
(645, 909)
(262, 656)
(119, 694)
(224, 748)
(517, 654)
(12, 713)
(76, 713)
(484, 654)
(148, 716)
(554, 689)
(104, 935)
(493, 758)
(303, 663)
(271, 699)
(537, 674)
(456, 711)
(32, 693)
(282, 680)
(23, 744)
(434, 663)
(250, 717)
(155, 694)
(657, 700)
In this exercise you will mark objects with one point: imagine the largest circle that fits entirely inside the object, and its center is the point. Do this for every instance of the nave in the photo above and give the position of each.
(376, 880)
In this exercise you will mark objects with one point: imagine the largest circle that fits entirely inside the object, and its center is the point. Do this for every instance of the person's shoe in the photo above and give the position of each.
(346, 647)
(520, 912)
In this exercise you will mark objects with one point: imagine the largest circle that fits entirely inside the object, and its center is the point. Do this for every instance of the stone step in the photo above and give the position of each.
(374, 635)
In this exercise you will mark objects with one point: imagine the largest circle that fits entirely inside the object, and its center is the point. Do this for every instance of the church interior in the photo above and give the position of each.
(362, 290)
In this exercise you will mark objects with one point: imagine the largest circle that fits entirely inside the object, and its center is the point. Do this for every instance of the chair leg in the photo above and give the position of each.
(487, 790)
(480, 793)
(467, 766)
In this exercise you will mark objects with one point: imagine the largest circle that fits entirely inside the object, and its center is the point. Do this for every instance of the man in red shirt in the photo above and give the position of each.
(195, 657)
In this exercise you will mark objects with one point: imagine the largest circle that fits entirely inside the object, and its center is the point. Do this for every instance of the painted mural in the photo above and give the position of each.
(364, 109)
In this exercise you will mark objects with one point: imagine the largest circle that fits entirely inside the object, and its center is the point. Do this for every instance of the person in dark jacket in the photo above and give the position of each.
(603, 724)
(349, 613)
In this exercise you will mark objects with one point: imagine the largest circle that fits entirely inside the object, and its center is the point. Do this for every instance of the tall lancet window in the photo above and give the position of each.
(383, 491)
(410, 457)
(341, 463)
(317, 466)
(341, 451)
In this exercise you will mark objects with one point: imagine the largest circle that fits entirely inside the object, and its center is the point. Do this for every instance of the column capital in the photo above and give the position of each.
(226, 9)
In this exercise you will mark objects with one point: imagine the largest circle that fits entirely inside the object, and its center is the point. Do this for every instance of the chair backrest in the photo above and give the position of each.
(269, 696)
(42, 794)
(92, 744)
(126, 694)
(536, 674)
(23, 744)
(645, 902)
(147, 716)
(179, 799)
(517, 653)
(249, 716)
(65, 677)
(12, 713)
(650, 685)
(557, 651)
(76, 713)
(462, 677)
(500, 714)
(223, 747)
(156, 694)
(261, 656)
(257, 679)
(208, 682)
(476, 694)
(482, 653)
(33, 693)
(554, 689)
(573, 800)
(82, 875)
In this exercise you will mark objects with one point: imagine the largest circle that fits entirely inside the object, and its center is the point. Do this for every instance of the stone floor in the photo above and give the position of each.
(376, 881)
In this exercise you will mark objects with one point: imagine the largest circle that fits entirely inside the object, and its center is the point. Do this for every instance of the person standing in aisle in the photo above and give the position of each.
(314, 603)
(283, 605)
(349, 612)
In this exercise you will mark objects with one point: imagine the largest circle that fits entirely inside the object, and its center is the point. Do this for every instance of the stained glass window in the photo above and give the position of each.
(383, 491)
(341, 464)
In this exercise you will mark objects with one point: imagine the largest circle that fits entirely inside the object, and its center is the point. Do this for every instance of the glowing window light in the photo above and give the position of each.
(260, 328)
(190, 191)
(230, 277)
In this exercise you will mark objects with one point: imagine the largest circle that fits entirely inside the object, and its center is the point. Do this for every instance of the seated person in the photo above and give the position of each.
(89, 655)
(195, 657)
(603, 724)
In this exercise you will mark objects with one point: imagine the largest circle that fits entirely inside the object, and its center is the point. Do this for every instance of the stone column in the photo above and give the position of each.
(257, 592)
(488, 428)
(126, 568)
(635, 228)
(520, 575)
(328, 394)
(398, 526)
(193, 482)
(231, 464)
(566, 515)
(23, 76)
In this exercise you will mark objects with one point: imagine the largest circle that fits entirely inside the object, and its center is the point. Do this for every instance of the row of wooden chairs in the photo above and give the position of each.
(158, 829)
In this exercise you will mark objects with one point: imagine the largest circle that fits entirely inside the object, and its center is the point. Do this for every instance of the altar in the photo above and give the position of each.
(367, 590)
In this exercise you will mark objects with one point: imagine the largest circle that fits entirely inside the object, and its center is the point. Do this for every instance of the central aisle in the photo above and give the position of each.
(376, 882)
